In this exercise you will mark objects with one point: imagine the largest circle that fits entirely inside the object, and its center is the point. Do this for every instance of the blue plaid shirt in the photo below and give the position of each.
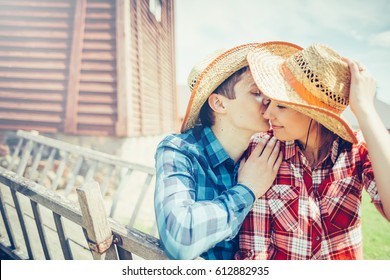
(199, 205)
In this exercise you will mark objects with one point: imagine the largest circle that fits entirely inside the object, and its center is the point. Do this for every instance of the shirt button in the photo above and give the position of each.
(318, 238)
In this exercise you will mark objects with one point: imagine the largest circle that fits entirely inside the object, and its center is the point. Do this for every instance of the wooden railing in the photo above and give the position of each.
(63, 167)
(63, 201)
(39, 224)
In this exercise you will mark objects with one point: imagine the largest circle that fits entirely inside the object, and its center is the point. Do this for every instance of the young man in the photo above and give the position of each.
(202, 193)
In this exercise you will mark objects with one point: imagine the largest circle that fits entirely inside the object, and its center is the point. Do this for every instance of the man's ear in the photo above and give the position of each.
(216, 103)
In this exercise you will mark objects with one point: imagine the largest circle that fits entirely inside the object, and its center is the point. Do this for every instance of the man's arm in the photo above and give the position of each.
(187, 227)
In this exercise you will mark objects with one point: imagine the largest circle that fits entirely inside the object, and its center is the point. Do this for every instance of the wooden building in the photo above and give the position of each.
(88, 67)
(382, 108)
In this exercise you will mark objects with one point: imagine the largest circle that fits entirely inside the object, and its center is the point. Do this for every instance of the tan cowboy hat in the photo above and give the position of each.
(206, 76)
(314, 81)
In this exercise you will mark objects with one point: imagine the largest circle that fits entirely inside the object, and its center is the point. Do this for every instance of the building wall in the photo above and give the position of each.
(152, 43)
(382, 108)
(65, 67)
(97, 101)
(35, 39)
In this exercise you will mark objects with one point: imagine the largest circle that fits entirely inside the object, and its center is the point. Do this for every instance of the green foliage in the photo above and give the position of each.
(376, 232)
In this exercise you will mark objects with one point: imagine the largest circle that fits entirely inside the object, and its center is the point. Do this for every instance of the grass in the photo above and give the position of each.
(376, 232)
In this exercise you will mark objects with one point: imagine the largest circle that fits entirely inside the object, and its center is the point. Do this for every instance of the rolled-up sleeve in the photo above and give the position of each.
(367, 174)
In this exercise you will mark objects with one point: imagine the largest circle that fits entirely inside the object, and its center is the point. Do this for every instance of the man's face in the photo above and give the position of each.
(246, 111)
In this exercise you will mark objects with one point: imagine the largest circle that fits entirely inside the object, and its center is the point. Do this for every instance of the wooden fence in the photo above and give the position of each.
(62, 167)
(42, 187)
(73, 231)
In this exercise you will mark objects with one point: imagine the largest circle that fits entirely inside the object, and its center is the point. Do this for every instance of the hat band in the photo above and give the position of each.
(303, 92)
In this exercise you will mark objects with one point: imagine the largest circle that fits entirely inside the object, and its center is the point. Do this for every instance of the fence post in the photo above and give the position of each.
(96, 227)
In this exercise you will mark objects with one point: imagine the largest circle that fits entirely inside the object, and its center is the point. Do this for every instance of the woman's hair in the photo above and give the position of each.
(324, 138)
(206, 114)
(326, 134)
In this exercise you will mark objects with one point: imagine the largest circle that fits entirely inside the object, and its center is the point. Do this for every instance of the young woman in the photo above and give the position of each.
(312, 211)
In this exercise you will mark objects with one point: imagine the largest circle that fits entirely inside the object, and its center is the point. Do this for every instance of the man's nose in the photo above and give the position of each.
(266, 112)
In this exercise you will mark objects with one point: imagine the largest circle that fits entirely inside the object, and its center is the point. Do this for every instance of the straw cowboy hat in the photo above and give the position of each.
(206, 76)
(314, 81)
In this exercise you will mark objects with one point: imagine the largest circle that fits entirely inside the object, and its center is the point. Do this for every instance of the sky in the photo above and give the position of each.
(356, 29)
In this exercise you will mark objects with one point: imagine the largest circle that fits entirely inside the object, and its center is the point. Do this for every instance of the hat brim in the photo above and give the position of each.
(221, 69)
(266, 71)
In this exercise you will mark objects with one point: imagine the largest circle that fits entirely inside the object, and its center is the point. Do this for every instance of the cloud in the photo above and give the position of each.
(358, 29)
(380, 39)
(203, 26)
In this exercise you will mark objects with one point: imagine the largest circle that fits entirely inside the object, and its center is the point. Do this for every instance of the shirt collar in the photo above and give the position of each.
(213, 148)
(338, 145)
(291, 148)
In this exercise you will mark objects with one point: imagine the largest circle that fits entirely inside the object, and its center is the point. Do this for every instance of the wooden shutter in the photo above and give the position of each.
(154, 91)
(59, 70)
(97, 113)
(34, 41)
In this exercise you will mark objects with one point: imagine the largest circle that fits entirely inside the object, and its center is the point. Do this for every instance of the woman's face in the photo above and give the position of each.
(287, 124)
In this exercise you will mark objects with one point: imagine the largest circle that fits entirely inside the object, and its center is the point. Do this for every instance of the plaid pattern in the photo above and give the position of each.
(311, 214)
(197, 202)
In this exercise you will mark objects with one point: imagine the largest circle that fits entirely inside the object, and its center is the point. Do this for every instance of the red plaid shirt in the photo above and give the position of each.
(311, 214)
